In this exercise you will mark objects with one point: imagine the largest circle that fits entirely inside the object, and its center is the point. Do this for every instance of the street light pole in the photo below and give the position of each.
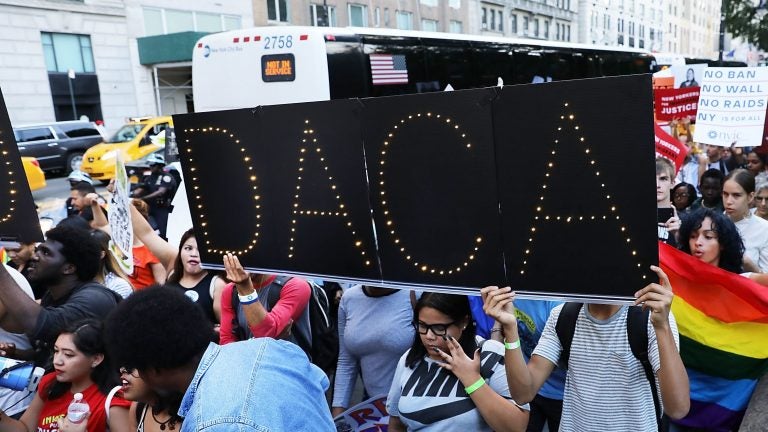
(70, 78)
(721, 45)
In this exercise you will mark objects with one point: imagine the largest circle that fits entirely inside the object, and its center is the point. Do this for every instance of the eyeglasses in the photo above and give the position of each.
(681, 194)
(761, 199)
(132, 372)
(437, 329)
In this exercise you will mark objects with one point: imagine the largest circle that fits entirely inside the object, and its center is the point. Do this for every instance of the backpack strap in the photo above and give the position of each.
(565, 327)
(637, 333)
(275, 288)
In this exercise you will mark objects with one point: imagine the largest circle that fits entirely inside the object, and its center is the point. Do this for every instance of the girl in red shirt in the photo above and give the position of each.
(80, 366)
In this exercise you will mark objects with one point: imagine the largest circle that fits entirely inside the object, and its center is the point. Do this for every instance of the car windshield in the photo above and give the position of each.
(126, 133)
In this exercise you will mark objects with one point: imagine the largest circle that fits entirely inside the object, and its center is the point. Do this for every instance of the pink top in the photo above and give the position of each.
(293, 300)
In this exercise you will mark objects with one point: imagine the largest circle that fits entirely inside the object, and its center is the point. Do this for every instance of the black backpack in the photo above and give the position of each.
(322, 345)
(637, 333)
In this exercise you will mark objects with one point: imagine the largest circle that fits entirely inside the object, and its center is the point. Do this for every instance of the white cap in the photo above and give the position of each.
(78, 396)
(79, 176)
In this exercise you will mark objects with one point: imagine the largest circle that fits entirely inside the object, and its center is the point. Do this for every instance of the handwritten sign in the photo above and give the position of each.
(732, 107)
(121, 230)
(367, 416)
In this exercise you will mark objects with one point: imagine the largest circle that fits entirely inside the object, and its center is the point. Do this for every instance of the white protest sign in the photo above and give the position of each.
(732, 107)
(367, 416)
(121, 229)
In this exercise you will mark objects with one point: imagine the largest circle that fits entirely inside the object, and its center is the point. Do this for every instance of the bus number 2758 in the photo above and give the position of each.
(272, 42)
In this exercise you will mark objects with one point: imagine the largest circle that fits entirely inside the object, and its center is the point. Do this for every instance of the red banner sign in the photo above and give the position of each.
(671, 104)
(669, 147)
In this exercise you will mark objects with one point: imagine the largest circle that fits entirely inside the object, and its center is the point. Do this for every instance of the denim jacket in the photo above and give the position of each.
(256, 385)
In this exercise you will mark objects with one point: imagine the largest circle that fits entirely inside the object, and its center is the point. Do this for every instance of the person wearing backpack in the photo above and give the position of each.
(606, 387)
(250, 315)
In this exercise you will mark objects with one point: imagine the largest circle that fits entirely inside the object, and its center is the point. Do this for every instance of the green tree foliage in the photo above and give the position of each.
(743, 20)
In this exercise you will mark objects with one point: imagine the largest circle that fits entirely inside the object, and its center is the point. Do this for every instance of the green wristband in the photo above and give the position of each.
(479, 383)
(512, 345)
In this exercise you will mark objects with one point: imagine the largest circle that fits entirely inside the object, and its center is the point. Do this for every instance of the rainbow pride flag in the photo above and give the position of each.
(723, 322)
(3, 256)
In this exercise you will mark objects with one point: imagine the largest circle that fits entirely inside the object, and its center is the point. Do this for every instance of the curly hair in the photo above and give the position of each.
(691, 193)
(731, 244)
(456, 307)
(87, 336)
(157, 327)
(79, 249)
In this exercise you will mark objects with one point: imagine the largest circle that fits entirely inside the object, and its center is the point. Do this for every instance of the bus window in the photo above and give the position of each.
(490, 62)
(346, 69)
(530, 67)
(448, 62)
(413, 58)
(558, 65)
(586, 64)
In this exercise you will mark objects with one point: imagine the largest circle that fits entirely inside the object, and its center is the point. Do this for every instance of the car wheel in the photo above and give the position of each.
(74, 160)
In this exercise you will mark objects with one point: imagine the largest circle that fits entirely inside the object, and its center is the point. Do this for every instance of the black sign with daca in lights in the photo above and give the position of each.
(548, 188)
(18, 218)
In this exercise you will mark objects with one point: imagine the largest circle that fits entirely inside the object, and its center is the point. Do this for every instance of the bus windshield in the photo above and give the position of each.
(125, 133)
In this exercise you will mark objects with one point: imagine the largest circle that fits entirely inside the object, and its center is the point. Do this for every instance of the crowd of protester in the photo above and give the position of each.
(173, 345)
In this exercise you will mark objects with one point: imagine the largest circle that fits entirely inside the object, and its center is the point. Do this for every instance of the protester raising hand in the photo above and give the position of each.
(656, 297)
(498, 304)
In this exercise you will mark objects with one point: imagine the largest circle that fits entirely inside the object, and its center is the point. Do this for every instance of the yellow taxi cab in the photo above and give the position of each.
(135, 140)
(35, 175)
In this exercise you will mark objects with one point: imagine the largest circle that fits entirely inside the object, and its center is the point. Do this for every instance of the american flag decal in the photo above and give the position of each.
(388, 69)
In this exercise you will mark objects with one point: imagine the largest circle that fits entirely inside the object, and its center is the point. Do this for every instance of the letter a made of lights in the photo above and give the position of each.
(11, 188)
(541, 217)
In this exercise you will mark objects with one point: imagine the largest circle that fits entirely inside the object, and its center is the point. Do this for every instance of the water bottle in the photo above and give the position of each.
(77, 410)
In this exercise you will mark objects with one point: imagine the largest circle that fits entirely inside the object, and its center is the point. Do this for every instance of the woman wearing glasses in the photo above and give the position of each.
(761, 201)
(450, 380)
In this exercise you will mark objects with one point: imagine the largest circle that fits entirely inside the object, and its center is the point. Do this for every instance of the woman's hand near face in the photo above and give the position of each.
(466, 369)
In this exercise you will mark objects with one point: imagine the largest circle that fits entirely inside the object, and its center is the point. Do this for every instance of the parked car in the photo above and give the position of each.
(135, 140)
(35, 175)
(57, 146)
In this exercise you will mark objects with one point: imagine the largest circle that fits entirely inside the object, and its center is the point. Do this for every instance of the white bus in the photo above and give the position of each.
(287, 64)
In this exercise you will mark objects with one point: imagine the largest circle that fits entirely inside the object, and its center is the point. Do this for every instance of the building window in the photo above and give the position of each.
(557, 31)
(386, 17)
(501, 21)
(546, 29)
(277, 10)
(358, 15)
(153, 22)
(404, 20)
(429, 25)
(568, 32)
(535, 27)
(513, 23)
(485, 19)
(322, 17)
(432, 3)
(456, 27)
(493, 19)
(164, 21)
(525, 25)
(377, 17)
(67, 51)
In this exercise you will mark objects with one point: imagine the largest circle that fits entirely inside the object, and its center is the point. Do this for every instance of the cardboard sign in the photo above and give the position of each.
(669, 147)
(406, 190)
(120, 227)
(732, 107)
(368, 416)
(673, 103)
(18, 217)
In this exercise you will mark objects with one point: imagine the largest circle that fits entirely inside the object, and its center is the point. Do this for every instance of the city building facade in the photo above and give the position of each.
(61, 60)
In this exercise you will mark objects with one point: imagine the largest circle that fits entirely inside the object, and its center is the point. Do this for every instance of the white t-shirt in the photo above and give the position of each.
(11, 401)
(754, 233)
(605, 387)
(430, 398)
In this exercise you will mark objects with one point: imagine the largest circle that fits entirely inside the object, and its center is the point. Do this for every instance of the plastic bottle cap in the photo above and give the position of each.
(78, 396)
